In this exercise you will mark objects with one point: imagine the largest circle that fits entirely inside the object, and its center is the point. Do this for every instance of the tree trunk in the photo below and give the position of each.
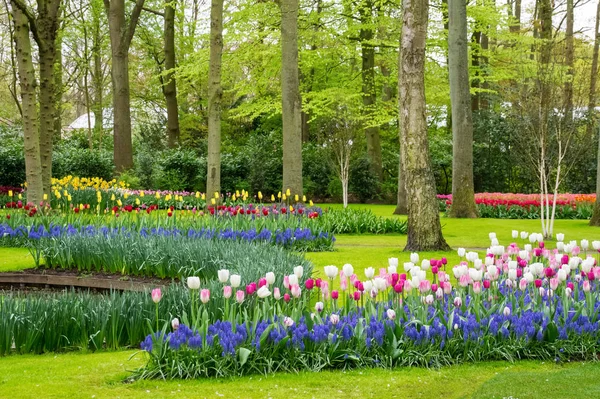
(170, 88)
(515, 26)
(570, 62)
(401, 205)
(476, 39)
(215, 92)
(97, 81)
(290, 97)
(463, 195)
(58, 88)
(121, 34)
(592, 120)
(27, 84)
(368, 88)
(424, 228)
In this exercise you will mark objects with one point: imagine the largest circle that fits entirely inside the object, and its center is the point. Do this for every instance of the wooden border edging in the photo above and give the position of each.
(73, 281)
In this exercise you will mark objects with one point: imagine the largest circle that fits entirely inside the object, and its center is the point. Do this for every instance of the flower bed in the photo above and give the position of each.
(514, 303)
(527, 206)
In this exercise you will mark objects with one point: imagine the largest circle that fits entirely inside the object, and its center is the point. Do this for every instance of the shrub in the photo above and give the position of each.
(181, 170)
(82, 162)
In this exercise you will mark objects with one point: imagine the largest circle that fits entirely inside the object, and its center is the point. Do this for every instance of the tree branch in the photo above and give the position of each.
(32, 21)
(135, 15)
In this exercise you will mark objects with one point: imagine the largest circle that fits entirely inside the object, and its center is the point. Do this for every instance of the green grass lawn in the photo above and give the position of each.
(101, 375)
(12, 259)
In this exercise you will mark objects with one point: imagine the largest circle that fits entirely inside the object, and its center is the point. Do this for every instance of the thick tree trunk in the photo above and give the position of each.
(463, 195)
(170, 88)
(424, 228)
(290, 97)
(97, 81)
(476, 39)
(121, 33)
(401, 203)
(27, 85)
(58, 88)
(47, 113)
(593, 121)
(215, 92)
(368, 87)
(515, 26)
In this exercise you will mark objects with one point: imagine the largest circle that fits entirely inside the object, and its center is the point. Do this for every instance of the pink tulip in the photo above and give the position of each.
(444, 261)
(458, 302)
(477, 287)
(344, 284)
(439, 293)
(318, 282)
(486, 284)
(575, 251)
(523, 284)
(586, 286)
(205, 296)
(357, 295)
(262, 282)
(334, 319)
(334, 294)
(287, 321)
(447, 288)
(286, 297)
(250, 289)
(156, 295)
(296, 291)
(434, 287)
(353, 280)
(464, 280)
(227, 291)
(276, 293)
(424, 286)
(309, 284)
(239, 296)
(407, 286)
(398, 288)
(286, 282)
(553, 283)
(590, 275)
(570, 286)
(538, 283)
(175, 323)
(434, 269)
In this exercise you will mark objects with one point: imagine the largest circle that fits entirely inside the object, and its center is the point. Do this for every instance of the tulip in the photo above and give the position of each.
(585, 244)
(156, 295)
(424, 286)
(309, 284)
(193, 283)
(380, 284)
(538, 283)
(263, 292)
(542, 291)
(293, 279)
(425, 264)
(439, 293)
(331, 271)
(298, 271)
(356, 295)
(223, 275)
(334, 294)
(414, 257)
(175, 323)
(236, 280)
(344, 284)
(515, 234)
(523, 284)
(286, 297)
(205, 296)
(506, 311)
(570, 286)
(296, 291)
(286, 282)
(434, 287)
(319, 307)
(250, 289)
(398, 288)
(461, 252)
(270, 277)
(477, 287)
(447, 288)
(444, 261)
(560, 237)
(348, 270)
(276, 293)
(568, 292)
(486, 284)
(288, 322)
(586, 286)
(334, 319)
(429, 299)
(227, 292)
(391, 314)
(369, 272)
(262, 282)
(239, 296)
(434, 270)
(458, 302)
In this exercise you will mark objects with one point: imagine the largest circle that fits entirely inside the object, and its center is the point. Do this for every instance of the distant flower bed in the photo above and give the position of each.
(528, 302)
(527, 206)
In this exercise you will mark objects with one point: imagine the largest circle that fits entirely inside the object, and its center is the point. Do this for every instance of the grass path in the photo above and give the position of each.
(101, 375)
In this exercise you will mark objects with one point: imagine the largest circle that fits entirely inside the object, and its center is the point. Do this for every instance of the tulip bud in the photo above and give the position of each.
(205, 296)
(334, 294)
(175, 323)
(506, 311)
(391, 314)
(334, 319)
(319, 307)
(286, 297)
(227, 291)
(458, 302)
(193, 283)
(156, 295)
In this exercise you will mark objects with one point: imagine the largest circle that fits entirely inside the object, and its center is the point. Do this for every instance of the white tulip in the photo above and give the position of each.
(492, 236)
(561, 275)
(429, 299)
(223, 275)
(540, 237)
(319, 306)
(495, 241)
(331, 271)
(524, 235)
(476, 275)
(425, 264)
(529, 277)
(236, 280)
(497, 250)
(587, 265)
(515, 234)
(533, 238)
(270, 278)
(528, 247)
(415, 271)
(596, 245)
(493, 272)
(512, 264)
(414, 257)
(560, 246)
(489, 261)
(348, 270)
(567, 248)
(461, 252)
(408, 266)
(369, 272)
(585, 244)
(471, 256)
(193, 283)
(560, 237)
(263, 292)
(368, 285)
(392, 269)
(298, 271)
(380, 283)
(293, 279)
(477, 264)
(393, 262)
(506, 311)
(391, 314)
(512, 274)
(524, 255)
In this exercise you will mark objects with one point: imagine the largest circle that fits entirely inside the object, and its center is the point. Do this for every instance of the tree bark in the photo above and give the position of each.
(424, 228)
(28, 84)
(98, 78)
(215, 92)
(570, 62)
(121, 33)
(368, 87)
(592, 119)
(170, 87)
(290, 98)
(463, 195)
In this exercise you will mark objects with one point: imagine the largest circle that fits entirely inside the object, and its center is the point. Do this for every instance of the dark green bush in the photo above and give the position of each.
(363, 182)
(181, 170)
(82, 162)
(12, 160)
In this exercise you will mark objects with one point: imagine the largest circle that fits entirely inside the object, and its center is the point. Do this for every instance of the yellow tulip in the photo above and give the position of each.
(20, 196)
(81, 206)
(112, 197)
(237, 192)
(137, 201)
(284, 197)
(288, 192)
(272, 198)
(217, 194)
(296, 197)
(69, 197)
(203, 196)
(45, 197)
(212, 201)
(260, 196)
(126, 196)
(304, 198)
(233, 197)
(142, 193)
(119, 203)
(291, 208)
(310, 203)
(157, 195)
(65, 193)
(279, 194)
(197, 194)
(10, 193)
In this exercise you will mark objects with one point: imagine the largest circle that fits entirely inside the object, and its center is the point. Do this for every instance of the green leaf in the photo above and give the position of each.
(243, 354)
